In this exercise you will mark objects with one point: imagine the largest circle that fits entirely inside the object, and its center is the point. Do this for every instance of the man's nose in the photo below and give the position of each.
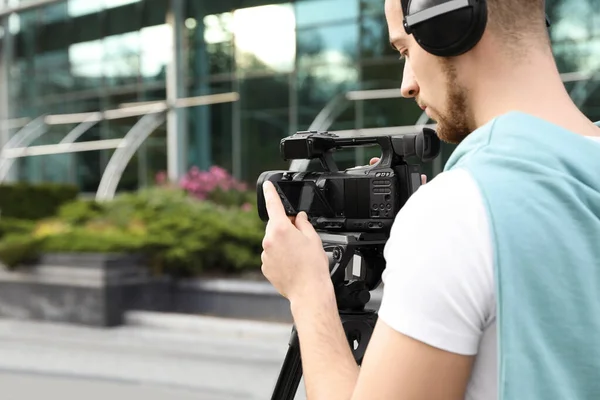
(409, 88)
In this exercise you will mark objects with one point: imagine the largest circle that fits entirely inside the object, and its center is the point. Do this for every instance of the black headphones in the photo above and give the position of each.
(446, 28)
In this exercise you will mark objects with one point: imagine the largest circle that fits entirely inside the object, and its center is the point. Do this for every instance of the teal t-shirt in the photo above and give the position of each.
(541, 188)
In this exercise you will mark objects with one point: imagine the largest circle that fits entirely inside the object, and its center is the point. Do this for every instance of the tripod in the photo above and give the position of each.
(352, 285)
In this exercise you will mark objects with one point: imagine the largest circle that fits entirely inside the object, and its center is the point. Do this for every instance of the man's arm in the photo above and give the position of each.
(329, 369)
(399, 367)
(394, 367)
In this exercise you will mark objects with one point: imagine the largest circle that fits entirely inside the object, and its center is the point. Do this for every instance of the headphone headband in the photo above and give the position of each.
(435, 11)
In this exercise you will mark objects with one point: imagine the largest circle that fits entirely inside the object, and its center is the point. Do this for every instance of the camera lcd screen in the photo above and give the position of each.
(304, 196)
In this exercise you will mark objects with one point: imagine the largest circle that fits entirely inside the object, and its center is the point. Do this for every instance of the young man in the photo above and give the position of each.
(498, 297)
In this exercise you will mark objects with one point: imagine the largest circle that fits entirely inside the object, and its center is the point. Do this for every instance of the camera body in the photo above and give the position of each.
(360, 199)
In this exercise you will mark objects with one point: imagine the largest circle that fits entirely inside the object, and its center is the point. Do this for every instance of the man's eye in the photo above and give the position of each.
(403, 55)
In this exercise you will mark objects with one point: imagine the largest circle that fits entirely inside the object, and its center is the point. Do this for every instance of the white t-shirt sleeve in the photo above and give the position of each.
(439, 276)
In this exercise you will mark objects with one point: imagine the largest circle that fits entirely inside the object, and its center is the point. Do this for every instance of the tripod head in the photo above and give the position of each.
(356, 264)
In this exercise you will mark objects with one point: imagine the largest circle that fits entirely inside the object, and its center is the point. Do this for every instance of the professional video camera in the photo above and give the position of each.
(363, 199)
(353, 211)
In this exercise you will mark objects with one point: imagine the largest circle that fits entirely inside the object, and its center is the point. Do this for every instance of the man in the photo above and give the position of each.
(498, 297)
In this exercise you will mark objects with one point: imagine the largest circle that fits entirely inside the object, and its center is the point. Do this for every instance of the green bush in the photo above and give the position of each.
(17, 249)
(185, 236)
(10, 226)
(80, 211)
(179, 234)
(34, 201)
(81, 240)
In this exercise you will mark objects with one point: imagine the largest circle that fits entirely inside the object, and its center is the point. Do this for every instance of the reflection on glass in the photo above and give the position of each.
(82, 7)
(218, 28)
(258, 48)
(131, 174)
(390, 112)
(88, 165)
(82, 72)
(217, 43)
(121, 71)
(156, 46)
(215, 123)
(55, 168)
(374, 38)
(54, 13)
(574, 24)
(591, 105)
(118, 128)
(86, 52)
(57, 81)
(51, 59)
(118, 3)
(78, 8)
(221, 143)
(318, 12)
(578, 56)
(122, 45)
(14, 24)
(153, 94)
(155, 157)
(371, 7)
(573, 19)
(264, 121)
(327, 45)
(318, 85)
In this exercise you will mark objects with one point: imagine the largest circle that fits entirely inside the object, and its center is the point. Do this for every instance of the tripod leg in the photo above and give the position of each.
(291, 371)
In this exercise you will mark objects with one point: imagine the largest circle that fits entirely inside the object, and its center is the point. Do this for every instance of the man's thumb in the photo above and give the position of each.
(303, 224)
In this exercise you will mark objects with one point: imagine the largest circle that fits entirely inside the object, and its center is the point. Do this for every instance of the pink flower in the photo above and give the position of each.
(201, 183)
(246, 207)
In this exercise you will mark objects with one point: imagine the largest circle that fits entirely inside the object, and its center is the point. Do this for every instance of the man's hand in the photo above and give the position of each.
(293, 259)
(375, 160)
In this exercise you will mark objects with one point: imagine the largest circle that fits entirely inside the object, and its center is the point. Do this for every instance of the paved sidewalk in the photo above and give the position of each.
(156, 356)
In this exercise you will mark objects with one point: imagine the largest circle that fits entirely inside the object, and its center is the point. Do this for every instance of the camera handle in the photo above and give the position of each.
(351, 295)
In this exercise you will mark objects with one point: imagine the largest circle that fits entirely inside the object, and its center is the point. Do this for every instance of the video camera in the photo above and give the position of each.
(353, 210)
(360, 199)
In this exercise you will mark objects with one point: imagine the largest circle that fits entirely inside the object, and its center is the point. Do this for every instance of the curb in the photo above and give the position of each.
(207, 325)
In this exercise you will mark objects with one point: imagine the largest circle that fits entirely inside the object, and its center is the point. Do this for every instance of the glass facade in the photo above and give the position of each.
(287, 61)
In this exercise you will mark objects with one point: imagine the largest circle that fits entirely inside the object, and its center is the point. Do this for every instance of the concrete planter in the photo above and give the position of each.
(88, 289)
(98, 289)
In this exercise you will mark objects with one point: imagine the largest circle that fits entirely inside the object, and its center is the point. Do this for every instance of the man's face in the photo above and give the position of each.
(432, 81)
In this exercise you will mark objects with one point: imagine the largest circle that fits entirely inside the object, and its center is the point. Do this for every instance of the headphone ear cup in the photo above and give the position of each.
(451, 34)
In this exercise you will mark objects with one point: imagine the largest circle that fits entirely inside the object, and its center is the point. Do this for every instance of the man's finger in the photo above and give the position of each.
(423, 179)
(304, 225)
(273, 203)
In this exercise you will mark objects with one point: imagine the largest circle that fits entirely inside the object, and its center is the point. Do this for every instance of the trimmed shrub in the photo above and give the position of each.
(181, 231)
(34, 201)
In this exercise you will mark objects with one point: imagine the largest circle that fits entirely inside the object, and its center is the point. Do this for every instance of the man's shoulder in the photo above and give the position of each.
(452, 191)
(449, 210)
(439, 285)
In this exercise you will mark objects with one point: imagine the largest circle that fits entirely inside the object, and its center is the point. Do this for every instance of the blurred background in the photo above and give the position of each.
(132, 133)
(271, 67)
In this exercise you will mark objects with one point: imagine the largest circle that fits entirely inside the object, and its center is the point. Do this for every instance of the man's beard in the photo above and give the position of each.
(457, 122)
